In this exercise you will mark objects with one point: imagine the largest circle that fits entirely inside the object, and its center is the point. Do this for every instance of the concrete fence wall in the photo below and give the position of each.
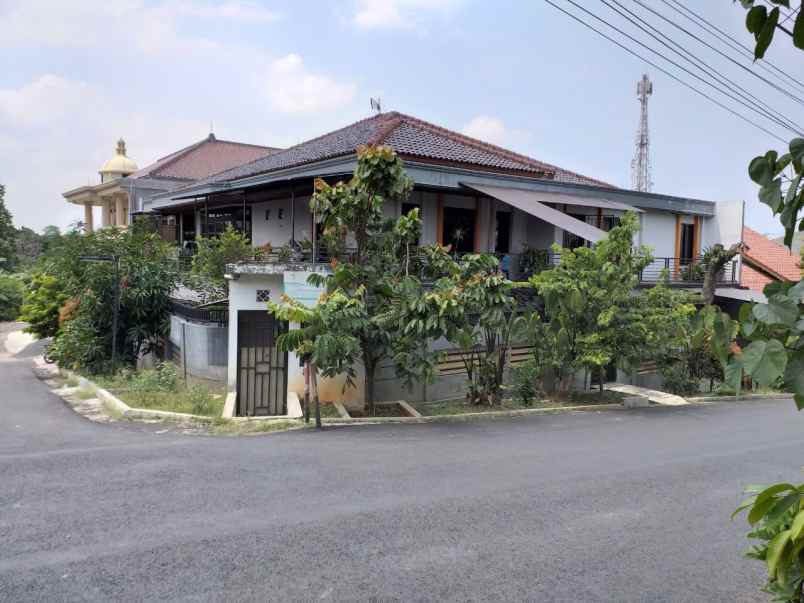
(204, 347)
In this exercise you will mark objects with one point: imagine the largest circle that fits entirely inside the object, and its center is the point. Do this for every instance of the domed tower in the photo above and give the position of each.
(118, 166)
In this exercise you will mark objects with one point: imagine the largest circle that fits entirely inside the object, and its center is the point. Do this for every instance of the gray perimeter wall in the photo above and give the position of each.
(204, 347)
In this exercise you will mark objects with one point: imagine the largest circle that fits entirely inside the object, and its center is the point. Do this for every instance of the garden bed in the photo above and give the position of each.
(159, 389)
(460, 406)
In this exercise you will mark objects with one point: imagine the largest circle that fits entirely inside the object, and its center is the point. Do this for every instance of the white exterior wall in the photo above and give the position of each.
(278, 232)
(243, 296)
(659, 233)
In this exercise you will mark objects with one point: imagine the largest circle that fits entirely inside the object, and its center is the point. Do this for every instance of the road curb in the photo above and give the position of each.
(745, 398)
(469, 416)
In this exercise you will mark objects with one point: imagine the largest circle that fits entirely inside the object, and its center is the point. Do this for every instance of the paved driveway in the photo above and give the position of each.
(609, 506)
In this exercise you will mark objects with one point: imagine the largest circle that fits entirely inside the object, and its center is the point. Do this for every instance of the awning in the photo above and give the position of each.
(531, 202)
(565, 199)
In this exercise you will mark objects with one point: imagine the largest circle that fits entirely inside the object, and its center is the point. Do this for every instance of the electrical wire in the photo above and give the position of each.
(678, 66)
(770, 112)
(667, 73)
(729, 40)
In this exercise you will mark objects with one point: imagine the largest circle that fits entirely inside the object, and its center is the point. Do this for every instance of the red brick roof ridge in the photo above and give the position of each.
(790, 272)
(169, 160)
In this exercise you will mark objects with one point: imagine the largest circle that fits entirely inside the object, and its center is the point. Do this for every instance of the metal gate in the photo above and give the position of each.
(262, 371)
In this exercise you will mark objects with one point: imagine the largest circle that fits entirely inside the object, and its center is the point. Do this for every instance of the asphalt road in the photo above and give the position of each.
(609, 506)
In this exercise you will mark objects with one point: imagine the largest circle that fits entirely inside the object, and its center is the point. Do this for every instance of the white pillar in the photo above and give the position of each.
(119, 211)
(88, 224)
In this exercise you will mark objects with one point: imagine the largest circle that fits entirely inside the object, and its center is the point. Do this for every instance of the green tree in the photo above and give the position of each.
(470, 304)
(594, 318)
(359, 306)
(8, 235)
(11, 291)
(44, 297)
(145, 279)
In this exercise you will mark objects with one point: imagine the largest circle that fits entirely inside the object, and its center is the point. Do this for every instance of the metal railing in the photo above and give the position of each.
(219, 315)
(517, 266)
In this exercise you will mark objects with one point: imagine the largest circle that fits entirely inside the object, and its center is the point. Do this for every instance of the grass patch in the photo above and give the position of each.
(230, 427)
(460, 406)
(161, 389)
(72, 381)
(328, 411)
(380, 410)
(194, 402)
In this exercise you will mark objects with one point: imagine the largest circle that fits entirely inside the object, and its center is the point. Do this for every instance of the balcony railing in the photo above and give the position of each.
(517, 266)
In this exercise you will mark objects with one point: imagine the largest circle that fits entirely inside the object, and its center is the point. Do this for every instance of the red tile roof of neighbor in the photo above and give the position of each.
(204, 158)
(411, 138)
(765, 261)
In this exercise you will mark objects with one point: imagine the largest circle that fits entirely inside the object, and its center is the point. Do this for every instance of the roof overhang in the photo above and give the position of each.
(531, 202)
(94, 194)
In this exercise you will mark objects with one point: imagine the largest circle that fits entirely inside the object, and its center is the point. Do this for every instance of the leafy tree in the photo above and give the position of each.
(713, 260)
(592, 314)
(10, 297)
(471, 305)
(356, 315)
(145, 279)
(44, 297)
(8, 234)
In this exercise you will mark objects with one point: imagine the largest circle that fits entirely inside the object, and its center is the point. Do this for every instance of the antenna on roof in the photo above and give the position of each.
(376, 105)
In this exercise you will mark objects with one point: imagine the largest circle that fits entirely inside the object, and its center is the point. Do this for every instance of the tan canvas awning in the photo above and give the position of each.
(531, 202)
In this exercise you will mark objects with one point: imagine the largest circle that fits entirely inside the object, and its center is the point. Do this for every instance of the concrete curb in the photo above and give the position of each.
(745, 398)
(470, 416)
(229, 405)
(127, 411)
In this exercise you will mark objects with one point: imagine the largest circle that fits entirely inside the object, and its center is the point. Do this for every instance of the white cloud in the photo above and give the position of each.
(291, 88)
(390, 14)
(238, 11)
(492, 129)
(119, 25)
(44, 101)
(487, 129)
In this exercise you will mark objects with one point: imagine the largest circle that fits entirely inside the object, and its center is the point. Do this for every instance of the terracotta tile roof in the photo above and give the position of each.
(412, 138)
(204, 158)
(765, 261)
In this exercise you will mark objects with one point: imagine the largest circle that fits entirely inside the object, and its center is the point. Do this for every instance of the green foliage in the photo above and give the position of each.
(43, 299)
(164, 377)
(775, 331)
(533, 260)
(593, 317)
(688, 348)
(213, 253)
(8, 235)
(470, 305)
(524, 380)
(200, 399)
(777, 515)
(11, 291)
(146, 277)
(356, 320)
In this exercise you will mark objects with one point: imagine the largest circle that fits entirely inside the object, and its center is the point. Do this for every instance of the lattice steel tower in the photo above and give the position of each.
(640, 165)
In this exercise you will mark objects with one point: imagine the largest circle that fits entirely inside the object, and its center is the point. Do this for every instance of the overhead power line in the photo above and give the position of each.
(728, 39)
(666, 41)
(667, 73)
(728, 94)
(784, 91)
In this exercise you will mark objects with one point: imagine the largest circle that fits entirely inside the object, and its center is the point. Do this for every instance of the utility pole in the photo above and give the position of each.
(640, 165)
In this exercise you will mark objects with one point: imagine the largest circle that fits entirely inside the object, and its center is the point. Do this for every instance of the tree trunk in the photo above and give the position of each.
(369, 366)
(721, 258)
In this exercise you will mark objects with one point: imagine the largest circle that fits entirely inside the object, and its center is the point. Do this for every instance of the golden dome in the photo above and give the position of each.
(119, 164)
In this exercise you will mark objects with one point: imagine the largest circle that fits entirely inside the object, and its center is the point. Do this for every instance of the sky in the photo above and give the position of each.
(76, 76)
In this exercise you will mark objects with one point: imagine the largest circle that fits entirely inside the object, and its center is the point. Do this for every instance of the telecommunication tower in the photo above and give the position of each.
(640, 165)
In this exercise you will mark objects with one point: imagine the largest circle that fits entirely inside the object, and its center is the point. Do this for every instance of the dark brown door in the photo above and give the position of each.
(262, 371)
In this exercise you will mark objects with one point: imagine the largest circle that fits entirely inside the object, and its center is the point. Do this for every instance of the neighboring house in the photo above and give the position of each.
(472, 195)
(123, 186)
(767, 261)
(796, 246)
